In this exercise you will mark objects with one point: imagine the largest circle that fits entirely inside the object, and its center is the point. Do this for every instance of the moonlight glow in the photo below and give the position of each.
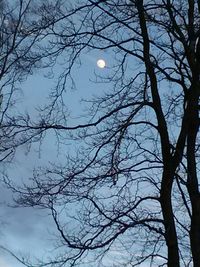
(101, 63)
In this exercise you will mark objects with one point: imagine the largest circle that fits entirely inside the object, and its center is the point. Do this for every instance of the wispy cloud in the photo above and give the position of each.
(3, 263)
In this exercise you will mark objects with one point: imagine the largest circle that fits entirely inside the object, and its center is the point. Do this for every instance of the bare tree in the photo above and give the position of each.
(22, 34)
(131, 192)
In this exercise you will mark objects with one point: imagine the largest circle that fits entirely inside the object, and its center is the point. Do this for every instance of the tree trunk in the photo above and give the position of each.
(192, 185)
(195, 232)
(167, 211)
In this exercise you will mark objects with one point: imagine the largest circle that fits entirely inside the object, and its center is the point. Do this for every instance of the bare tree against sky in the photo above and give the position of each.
(22, 30)
(132, 186)
(15, 51)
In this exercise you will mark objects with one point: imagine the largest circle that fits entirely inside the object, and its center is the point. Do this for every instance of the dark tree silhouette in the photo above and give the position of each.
(130, 193)
(22, 30)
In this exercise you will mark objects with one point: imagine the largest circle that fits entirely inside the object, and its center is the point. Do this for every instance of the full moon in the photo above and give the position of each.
(101, 63)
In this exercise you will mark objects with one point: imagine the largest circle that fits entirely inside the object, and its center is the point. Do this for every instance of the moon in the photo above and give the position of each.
(101, 63)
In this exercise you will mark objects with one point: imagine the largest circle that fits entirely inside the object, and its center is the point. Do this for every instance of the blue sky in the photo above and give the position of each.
(30, 232)
(26, 231)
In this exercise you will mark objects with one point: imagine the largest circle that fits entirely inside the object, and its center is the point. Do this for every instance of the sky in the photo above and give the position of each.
(30, 232)
(27, 231)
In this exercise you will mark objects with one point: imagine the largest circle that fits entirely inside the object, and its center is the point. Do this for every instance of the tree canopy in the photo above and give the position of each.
(130, 192)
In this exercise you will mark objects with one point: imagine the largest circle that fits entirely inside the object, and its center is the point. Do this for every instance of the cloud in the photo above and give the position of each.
(7, 260)
(3, 263)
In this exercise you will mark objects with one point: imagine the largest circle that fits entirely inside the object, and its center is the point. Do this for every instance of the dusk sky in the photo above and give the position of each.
(25, 231)
(99, 115)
